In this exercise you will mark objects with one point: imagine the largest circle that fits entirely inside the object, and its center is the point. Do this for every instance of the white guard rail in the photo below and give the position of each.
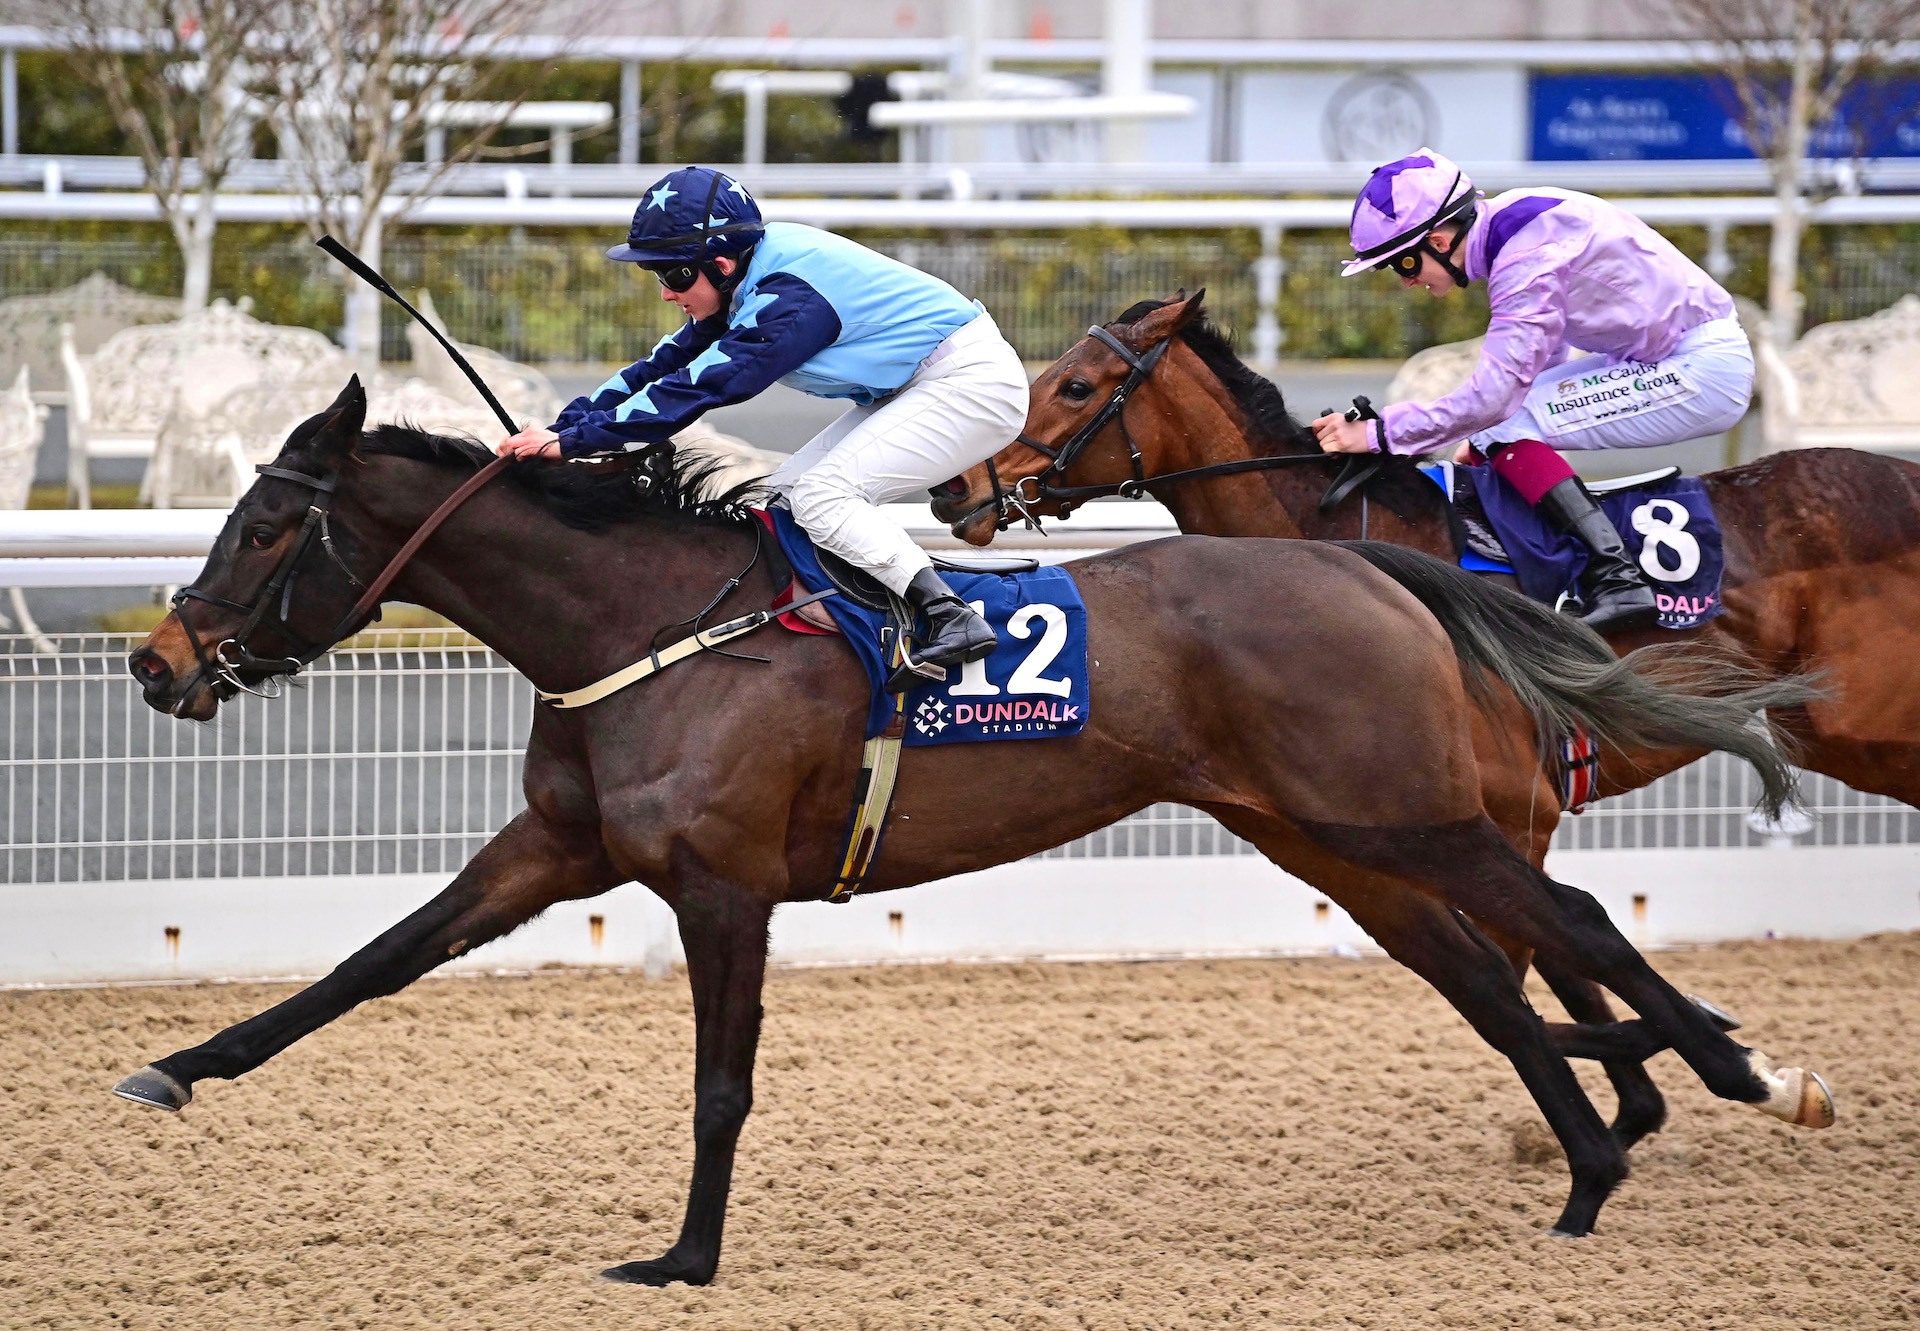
(152, 547)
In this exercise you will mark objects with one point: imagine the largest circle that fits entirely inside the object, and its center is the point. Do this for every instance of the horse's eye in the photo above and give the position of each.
(1077, 389)
(260, 538)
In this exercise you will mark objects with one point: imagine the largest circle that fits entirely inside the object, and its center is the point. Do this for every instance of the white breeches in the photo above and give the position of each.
(965, 403)
(1701, 387)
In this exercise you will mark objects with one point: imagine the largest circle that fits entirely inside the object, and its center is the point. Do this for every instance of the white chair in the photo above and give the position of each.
(1434, 372)
(526, 393)
(743, 462)
(97, 307)
(1850, 384)
(207, 459)
(23, 427)
(119, 396)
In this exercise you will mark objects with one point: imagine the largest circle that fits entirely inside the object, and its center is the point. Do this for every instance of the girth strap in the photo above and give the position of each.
(873, 788)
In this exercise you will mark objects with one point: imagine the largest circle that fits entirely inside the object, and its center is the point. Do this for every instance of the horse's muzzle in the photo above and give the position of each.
(159, 688)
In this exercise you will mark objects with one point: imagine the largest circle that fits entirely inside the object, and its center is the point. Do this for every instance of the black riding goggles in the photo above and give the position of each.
(1407, 262)
(675, 277)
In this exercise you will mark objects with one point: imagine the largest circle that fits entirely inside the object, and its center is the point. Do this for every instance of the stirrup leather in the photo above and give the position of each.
(879, 772)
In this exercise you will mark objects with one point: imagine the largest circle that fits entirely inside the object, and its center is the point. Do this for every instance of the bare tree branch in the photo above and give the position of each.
(172, 75)
(358, 89)
(1794, 68)
(359, 84)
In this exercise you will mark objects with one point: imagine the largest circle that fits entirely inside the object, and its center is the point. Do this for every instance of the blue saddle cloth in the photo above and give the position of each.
(1034, 686)
(1669, 529)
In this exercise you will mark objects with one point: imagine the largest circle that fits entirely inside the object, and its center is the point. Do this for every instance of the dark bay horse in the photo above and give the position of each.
(1822, 550)
(1336, 737)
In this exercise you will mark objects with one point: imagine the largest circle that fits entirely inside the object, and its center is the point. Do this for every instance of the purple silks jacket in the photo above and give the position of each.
(1562, 270)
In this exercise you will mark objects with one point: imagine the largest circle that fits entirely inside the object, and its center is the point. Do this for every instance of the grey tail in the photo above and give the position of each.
(1678, 695)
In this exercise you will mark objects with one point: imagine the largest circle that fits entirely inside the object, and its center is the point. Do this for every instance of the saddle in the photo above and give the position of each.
(1481, 550)
(866, 591)
(863, 588)
(859, 588)
(1634, 482)
(1665, 520)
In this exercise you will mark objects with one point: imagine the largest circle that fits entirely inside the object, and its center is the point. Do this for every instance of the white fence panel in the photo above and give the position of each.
(280, 837)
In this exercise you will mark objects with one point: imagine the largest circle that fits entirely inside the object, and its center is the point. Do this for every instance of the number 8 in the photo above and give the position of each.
(1664, 525)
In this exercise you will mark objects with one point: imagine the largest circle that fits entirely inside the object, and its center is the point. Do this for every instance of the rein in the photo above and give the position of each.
(1018, 502)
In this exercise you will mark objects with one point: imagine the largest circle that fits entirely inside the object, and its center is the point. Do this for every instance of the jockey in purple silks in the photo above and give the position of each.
(1665, 358)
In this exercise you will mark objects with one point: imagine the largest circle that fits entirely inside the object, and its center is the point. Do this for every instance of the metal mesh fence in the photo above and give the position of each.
(543, 299)
(403, 755)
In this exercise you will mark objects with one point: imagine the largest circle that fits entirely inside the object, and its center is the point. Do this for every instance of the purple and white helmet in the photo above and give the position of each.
(1401, 203)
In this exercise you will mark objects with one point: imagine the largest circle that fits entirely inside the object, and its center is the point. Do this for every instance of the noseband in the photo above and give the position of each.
(1019, 502)
(232, 655)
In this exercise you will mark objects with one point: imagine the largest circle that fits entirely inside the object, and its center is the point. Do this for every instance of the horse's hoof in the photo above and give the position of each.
(1558, 1233)
(151, 1086)
(664, 1271)
(1794, 1095)
(1718, 1015)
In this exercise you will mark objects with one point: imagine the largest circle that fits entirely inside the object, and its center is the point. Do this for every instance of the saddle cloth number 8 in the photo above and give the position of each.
(1664, 525)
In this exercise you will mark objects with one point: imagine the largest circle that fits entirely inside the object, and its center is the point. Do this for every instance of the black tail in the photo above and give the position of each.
(1669, 696)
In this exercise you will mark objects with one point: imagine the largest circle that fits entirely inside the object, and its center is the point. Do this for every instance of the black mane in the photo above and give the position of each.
(1256, 395)
(1399, 485)
(589, 498)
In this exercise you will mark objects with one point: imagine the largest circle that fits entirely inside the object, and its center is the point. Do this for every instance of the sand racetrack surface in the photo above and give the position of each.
(1292, 1143)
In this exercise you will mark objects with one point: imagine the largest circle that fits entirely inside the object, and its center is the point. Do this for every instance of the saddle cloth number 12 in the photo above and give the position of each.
(1027, 677)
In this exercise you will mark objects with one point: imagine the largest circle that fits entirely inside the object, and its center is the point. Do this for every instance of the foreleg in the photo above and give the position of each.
(525, 869)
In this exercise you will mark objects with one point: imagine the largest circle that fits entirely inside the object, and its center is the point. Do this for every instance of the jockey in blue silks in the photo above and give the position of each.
(935, 388)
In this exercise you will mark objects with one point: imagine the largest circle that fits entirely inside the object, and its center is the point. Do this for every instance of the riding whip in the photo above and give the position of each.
(360, 269)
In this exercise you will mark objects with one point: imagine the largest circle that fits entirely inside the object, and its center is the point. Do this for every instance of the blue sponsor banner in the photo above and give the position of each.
(1612, 117)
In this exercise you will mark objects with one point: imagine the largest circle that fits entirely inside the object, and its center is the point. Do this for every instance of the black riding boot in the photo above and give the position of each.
(955, 634)
(1616, 597)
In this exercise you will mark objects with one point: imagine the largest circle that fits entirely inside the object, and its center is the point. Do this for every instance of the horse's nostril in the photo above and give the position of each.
(148, 666)
(953, 489)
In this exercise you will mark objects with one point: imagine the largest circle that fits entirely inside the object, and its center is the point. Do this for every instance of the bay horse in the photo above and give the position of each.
(1336, 737)
(1822, 544)
(1822, 549)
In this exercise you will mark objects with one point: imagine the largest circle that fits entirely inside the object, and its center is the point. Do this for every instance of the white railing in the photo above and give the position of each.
(1270, 219)
(134, 547)
(81, 175)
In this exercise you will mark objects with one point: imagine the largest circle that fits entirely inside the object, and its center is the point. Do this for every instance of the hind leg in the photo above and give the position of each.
(1475, 976)
(1621, 1048)
(1524, 801)
(1475, 870)
(1640, 1110)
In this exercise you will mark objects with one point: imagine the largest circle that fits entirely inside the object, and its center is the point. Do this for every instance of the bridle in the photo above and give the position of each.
(1061, 457)
(233, 654)
(1020, 502)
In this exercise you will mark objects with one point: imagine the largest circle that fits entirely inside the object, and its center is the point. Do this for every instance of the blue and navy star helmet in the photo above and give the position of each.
(693, 215)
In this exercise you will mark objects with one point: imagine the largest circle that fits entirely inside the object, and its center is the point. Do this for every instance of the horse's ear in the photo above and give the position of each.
(1158, 325)
(335, 432)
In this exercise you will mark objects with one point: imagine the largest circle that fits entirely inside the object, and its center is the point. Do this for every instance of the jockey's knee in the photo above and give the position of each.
(1014, 413)
(818, 497)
